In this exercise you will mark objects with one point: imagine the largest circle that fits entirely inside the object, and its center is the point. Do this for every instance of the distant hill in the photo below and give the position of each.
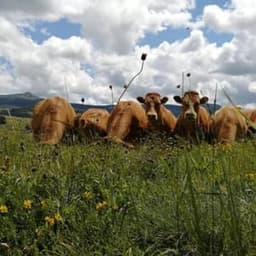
(21, 105)
(18, 100)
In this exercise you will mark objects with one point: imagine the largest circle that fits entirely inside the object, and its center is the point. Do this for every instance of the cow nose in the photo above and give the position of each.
(152, 116)
(190, 116)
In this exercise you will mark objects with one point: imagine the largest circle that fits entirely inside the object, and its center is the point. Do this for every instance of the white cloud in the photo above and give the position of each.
(237, 18)
(108, 48)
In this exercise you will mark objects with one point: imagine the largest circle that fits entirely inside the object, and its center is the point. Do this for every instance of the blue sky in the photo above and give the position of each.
(62, 28)
(81, 47)
(65, 28)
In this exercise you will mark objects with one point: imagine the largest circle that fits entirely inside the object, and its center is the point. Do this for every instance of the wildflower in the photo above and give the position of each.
(88, 195)
(3, 208)
(49, 220)
(227, 147)
(251, 175)
(101, 205)
(57, 217)
(27, 204)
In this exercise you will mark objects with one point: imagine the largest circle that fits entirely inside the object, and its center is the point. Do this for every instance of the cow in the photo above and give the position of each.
(159, 117)
(127, 121)
(193, 121)
(52, 119)
(228, 124)
(250, 115)
(93, 122)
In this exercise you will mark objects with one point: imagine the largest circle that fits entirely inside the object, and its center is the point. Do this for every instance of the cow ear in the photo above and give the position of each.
(204, 100)
(178, 99)
(140, 99)
(164, 100)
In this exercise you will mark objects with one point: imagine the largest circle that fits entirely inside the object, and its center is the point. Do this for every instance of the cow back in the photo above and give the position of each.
(51, 119)
(228, 125)
(94, 121)
(126, 120)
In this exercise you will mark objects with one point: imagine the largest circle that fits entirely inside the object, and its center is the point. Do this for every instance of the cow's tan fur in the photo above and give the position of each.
(126, 119)
(193, 120)
(94, 121)
(160, 118)
(228, 125)
(51, 119)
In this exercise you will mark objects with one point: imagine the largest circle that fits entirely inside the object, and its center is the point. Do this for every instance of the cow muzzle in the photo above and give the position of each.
(152, 116)
(190, 116)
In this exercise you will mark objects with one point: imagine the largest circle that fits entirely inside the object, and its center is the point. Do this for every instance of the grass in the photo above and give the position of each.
(103, 199)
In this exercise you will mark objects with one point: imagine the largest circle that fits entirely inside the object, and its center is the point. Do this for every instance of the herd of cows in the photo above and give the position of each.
(53, 118)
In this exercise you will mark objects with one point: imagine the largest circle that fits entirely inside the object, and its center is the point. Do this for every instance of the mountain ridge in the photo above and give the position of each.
(21, 105)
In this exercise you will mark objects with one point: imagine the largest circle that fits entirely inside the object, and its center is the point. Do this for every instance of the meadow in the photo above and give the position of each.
(97, 198)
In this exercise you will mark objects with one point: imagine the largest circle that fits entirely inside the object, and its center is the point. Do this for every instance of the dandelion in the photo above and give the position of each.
(27, 204)
(101, 205)
(88, 195)
(49, 220)
(57, 217)
(3, 208)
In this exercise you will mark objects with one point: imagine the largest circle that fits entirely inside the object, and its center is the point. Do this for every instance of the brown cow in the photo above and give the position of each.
(160, 118)
(52, 118)
(250, 115)
(93, 122)
(193, 121)
(126, 121)
(228, 124)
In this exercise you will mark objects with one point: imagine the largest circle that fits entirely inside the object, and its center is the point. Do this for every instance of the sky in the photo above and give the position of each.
(77, 49)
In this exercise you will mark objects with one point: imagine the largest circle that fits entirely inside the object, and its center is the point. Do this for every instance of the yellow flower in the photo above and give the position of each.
(27, 204)
(49, 220)
(251, 175)
(101, 205)
(228, 147)
(88, 195)
(57, 217)
(3, 208)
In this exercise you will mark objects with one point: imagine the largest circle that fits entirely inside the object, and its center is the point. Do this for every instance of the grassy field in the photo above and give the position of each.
(103, 199)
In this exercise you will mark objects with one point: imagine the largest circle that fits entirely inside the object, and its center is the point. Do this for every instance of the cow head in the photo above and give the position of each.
(190, 104)
(152, 102)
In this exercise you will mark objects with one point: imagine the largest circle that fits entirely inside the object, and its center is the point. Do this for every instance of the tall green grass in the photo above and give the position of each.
(103, 199)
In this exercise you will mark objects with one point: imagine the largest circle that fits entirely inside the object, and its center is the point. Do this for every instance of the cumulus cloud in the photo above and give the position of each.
(107, 51)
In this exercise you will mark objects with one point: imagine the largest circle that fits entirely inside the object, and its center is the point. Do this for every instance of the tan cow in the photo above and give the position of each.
(52, 118)
(160, 118)
(193, 120)
(93, 122)
(250, 115)
(126, 121)
(228, 124)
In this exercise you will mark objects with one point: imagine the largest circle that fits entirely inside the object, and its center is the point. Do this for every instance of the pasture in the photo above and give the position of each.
(97, 198)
